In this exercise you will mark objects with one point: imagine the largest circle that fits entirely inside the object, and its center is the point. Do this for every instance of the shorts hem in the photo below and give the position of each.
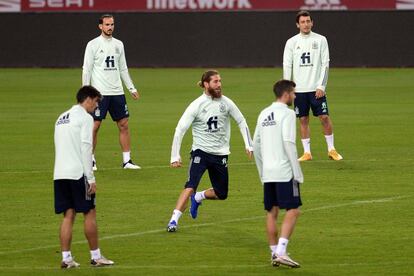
(118, 119)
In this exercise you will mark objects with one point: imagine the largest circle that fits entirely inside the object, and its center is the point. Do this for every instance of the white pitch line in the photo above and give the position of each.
(357, 202)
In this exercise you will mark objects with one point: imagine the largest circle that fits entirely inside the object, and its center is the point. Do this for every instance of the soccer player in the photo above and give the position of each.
(209, 115)
(274, 145)
(74, 181)
(306, 62)
(103, 67)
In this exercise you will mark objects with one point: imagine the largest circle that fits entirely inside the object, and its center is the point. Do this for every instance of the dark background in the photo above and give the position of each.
(209, 39)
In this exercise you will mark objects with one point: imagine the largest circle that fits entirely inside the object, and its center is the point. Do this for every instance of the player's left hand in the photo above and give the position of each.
(249, 154)
(319, 93)
(92, 188)
(135, 95)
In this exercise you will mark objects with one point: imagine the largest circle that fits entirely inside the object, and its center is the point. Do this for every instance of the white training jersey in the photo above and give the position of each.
(276, 125)
(306, 62)
(73, 145)
(210, 120)
(104, 65)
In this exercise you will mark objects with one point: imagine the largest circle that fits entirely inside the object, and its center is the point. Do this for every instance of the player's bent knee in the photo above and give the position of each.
(221, 196)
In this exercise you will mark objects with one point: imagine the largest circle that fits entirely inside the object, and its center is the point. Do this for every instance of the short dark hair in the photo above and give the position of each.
(107, 15)
(303, 13)
(87, 91)
(283, 86)
(206, 77)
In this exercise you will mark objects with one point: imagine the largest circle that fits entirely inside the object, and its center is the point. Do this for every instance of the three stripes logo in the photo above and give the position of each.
(269, 121)
(64, 119)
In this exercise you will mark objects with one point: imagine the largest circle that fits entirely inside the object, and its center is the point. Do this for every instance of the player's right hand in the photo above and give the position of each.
(135, 95)
(176, 164)
(249, 154)
(92, 188)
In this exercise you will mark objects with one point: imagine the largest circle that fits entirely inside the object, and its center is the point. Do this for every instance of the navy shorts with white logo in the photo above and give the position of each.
(306, 101)
(116, 105)
(217, 171)
(285, 195)
(73, 194)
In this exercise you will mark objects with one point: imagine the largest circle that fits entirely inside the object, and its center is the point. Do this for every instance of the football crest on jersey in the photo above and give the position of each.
(223, 108)
(315, 45)
(117, 50)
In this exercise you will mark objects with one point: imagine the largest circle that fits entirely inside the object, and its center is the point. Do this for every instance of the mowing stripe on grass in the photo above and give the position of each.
(357, 202)
(230, 164)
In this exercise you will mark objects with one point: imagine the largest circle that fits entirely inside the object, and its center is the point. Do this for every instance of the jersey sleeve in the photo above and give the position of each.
(88, 61)
(183, 124)
(236, 114)
(289, 143)
(289, 128)
(257, 148)
(288, 60)
(86, 148)
(323, 78)
(123, 70)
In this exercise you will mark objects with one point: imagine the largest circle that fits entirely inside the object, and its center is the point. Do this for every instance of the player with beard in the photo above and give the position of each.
(209, 115)
(104, 66)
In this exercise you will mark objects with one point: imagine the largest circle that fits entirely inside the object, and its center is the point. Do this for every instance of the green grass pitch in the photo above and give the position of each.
(357, 214)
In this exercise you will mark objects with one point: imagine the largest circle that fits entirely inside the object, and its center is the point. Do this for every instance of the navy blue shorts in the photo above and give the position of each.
(306, 101)
(285, 195)
(217, 171)
(73, 194)
(116, 105)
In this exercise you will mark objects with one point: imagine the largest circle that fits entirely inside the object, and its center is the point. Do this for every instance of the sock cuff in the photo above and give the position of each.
(177, 211)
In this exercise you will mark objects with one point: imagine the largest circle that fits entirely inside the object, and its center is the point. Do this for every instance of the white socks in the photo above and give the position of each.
(306, 145)
(199, 196)
(273, 249)
(176, 215)
(66, 255)
(126, 156)
(330, 141)
(93, 158)
(281, 246)
(96, 254)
